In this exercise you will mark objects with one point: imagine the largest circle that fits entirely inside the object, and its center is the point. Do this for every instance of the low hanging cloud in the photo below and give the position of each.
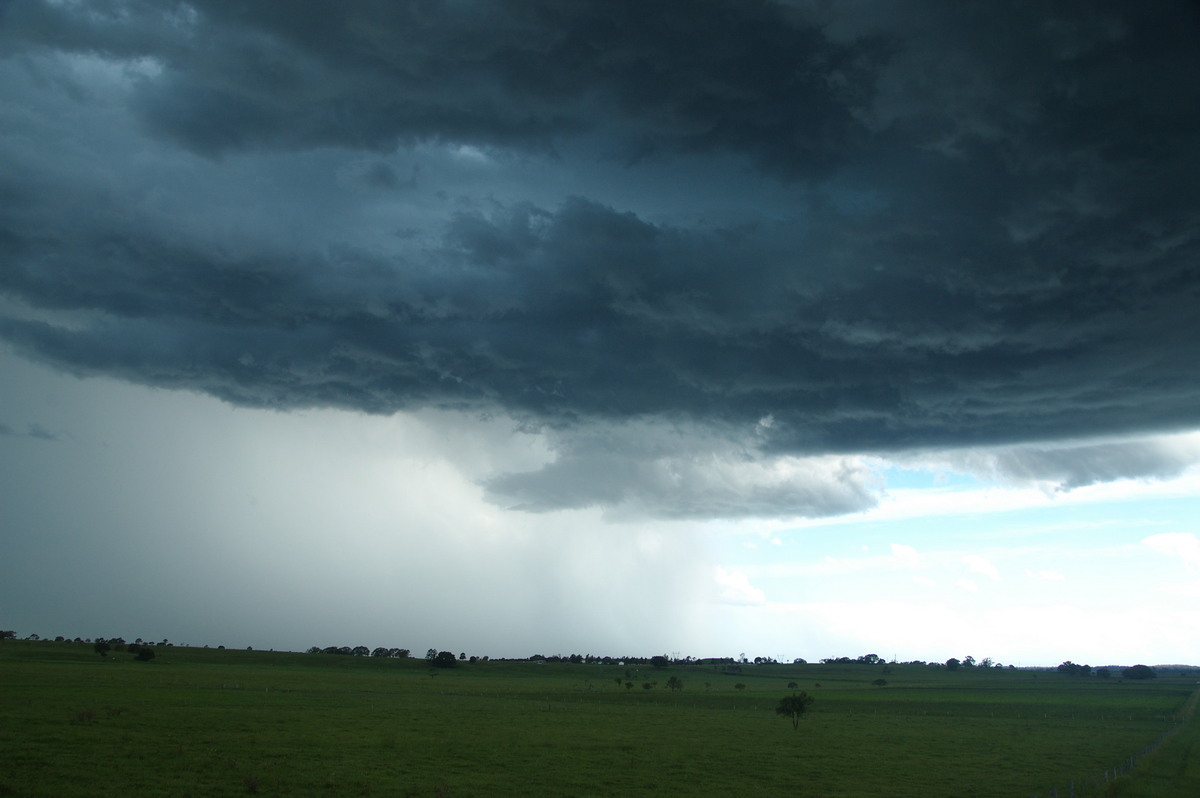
(1066, 467)
(885, 232)
(697, 487)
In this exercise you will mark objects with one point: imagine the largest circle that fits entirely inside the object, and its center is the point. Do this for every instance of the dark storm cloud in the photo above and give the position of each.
(951, 225)
(672, 75)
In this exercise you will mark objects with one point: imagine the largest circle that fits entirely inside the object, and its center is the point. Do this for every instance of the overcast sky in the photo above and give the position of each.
(791, 328)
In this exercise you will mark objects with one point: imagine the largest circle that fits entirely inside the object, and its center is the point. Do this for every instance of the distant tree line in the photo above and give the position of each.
(1135, 672)
(361, 651)
(144, 650)
(952, 664)
(591, 659)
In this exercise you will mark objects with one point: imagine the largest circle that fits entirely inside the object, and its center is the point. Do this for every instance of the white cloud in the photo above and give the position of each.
(1185, 590)
(734, 588)
(906, 556)
(1184, 546)
(1048, 576)
(977, 564)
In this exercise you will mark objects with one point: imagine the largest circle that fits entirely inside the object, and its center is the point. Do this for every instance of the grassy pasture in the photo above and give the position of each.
(205, 722)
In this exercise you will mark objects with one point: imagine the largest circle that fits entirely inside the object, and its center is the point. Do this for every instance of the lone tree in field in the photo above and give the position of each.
(675, 683)
(794, 707)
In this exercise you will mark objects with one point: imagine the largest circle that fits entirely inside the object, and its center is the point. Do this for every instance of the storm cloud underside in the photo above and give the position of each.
(715, 256)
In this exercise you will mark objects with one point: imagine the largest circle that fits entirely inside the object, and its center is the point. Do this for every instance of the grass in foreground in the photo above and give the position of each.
(224, 723)
(1172, 770)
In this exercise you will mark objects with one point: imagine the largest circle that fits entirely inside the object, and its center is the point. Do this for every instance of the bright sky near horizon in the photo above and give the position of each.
(791, 329)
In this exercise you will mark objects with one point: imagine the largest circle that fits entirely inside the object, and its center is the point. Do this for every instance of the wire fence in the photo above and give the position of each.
(1096, 783)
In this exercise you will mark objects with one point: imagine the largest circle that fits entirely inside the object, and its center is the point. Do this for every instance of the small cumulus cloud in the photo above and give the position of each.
(967, 585)
(1044, 575)
(1184, 546)
(905, 556)
(733, 587)
(977, 564)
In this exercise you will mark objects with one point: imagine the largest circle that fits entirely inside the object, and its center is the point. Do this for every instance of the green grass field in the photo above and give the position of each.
(204, 722)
